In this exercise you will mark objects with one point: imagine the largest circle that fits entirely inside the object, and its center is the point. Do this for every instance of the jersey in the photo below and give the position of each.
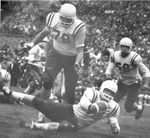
(130, 68)
(81, 109)
(66, 40)
(5, 77)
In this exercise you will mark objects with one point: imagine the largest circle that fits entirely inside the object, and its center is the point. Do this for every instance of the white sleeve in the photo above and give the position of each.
(113, 120)
(86, 99)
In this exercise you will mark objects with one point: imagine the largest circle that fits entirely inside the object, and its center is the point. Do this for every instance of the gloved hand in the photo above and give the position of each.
(115, 129)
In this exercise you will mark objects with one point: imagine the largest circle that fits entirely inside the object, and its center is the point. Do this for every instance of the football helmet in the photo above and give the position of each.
(126, 45)
(67, 14)
(108, 89)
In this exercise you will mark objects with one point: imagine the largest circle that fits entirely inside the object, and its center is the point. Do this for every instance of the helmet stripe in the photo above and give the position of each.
(78, 28)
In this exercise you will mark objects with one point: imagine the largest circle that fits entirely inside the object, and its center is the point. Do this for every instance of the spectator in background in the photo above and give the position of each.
(14, 71)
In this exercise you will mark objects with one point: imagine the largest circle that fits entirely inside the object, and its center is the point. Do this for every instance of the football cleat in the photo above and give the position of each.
(23, 124)
(138, 114)
(6, 91)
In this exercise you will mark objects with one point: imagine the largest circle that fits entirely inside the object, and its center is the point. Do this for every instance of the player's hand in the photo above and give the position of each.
(77, 68)
(115, 129)
(29, 44)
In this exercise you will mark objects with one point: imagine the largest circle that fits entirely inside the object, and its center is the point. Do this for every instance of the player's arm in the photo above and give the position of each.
(97, 107)
(87, 102)
(86, 99)
(45, 32)
(113, 120)
(40, 36)
(143, 70)
(79, 41)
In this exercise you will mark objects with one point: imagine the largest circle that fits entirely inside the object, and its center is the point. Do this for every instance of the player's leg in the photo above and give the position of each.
(121, 92)
(71, 78)
(131, 102)
(52, 68)
(54, 111)
(17, 96)
(51, 126)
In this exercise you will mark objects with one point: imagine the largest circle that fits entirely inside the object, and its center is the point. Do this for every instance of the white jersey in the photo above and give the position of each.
(5, 77)
(129, 67)
(66, 40)
(81, 109)
(35, 54)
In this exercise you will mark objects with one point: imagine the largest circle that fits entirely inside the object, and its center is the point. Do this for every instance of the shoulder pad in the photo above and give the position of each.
(52, 19)
(135, 57)
(78, 24)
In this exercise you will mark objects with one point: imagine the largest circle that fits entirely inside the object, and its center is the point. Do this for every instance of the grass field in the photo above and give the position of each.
(12, 114)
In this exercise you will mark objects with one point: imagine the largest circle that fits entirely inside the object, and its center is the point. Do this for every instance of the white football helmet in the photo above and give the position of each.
(108, 89)
(67, 14)
(127, 42)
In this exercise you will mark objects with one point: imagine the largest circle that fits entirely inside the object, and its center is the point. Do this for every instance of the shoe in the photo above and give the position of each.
(22, 124)
(138, 114)
(6, 91)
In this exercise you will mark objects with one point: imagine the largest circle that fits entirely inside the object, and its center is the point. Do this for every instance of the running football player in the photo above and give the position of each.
(94, 105)
(131, 71)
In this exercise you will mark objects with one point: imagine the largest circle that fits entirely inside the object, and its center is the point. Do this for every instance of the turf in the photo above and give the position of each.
(12, 114)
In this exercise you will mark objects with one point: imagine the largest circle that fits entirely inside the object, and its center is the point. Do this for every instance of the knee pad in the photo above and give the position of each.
(65, 126)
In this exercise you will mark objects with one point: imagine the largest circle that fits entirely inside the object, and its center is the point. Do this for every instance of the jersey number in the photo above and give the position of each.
(65, 37)
(125, 67)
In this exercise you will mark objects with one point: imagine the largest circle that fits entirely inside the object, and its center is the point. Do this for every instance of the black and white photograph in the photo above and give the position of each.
(74, 69)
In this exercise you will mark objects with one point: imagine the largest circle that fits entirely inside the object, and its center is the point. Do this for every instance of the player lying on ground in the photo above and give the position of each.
(93, 106)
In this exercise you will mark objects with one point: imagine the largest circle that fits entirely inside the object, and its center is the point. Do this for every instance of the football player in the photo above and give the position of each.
(131, 71)
(68, 34)
(94, 105)
(35, 66)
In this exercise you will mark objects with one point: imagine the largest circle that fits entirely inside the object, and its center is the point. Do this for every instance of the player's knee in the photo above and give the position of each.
(66, 126)
(48, 83)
